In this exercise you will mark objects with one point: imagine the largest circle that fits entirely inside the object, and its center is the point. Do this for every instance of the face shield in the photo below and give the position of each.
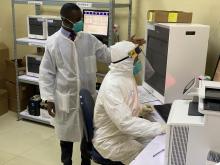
(149, 71)
(133, 54)
(137, 63)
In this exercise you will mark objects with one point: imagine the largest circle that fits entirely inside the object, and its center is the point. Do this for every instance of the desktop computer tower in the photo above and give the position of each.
(177, 54)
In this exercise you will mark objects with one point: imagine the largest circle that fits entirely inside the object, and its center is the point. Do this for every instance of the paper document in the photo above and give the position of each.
(153, 153)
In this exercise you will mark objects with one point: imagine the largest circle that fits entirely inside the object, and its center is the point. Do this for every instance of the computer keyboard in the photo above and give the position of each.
(163, 110)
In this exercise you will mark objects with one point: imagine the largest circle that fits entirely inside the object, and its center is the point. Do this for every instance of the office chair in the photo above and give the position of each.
(87, 106)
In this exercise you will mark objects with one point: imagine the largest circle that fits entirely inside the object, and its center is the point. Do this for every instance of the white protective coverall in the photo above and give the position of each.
(119, 134)
(66, 67)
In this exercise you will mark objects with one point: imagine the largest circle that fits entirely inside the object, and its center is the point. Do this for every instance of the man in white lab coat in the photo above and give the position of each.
(120, 134)
(69, 64)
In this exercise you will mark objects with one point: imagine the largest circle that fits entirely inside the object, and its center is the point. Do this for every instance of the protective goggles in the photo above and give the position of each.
(132, 54)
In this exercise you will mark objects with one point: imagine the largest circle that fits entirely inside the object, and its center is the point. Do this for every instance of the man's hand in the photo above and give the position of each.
(51, 108)
(139, 41)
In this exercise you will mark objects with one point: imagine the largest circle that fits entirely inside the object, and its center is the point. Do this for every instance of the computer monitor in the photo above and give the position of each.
(33, 65)
(172, 54)
(36, 26)
(156, 56)
(53, 25)
(96, 22)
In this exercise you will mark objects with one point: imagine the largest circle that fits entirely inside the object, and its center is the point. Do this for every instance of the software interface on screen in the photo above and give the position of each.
(36, 26)
(33, 64)
(96, 22)
(53, 26)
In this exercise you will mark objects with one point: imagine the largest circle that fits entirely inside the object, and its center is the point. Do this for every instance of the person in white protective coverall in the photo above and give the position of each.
(120, 134)
(69, 64)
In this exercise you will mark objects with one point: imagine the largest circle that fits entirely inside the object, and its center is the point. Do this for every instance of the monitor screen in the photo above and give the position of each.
(53, 26)
(33, 64)
(36, 26)
(157, 58)
(156, 55)
(96, 22)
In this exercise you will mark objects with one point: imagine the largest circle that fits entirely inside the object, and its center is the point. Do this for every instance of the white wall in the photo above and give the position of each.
(204, 12)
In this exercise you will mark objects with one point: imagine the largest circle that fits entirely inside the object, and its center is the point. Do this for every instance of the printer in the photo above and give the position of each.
(209, 97)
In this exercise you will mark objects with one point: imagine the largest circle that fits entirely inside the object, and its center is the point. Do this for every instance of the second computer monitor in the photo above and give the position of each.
(96, 22)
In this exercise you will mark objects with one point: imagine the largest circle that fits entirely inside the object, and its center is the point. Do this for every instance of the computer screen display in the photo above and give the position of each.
(53, 26)
(33, 65)
(96, 22)
(36, 26)
(156, 55)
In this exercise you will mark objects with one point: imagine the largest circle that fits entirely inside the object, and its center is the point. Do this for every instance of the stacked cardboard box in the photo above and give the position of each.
(162, 16)
(11, 71)
(4, 55)
(3, 101)
(25, 90)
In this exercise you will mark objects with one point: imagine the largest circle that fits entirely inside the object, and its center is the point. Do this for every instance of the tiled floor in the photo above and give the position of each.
(28, 143)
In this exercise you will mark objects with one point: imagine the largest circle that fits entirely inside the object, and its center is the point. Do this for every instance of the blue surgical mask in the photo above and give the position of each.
(76, 27)
(137, 67)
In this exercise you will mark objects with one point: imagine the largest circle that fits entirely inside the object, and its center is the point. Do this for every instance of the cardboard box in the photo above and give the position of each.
(26, 91)
(11, 72)
(3, 101)
(4, 55)
(2, 84)
(12, 104)
(162, 16)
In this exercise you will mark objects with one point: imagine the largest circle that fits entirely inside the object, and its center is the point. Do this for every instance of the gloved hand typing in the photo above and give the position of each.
(146, 109)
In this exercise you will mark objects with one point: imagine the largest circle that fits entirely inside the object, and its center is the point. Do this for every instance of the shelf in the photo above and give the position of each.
(44, 118)
(100, 74)
(31, 42)
(108, 4)
(28, 79)
(79, 3)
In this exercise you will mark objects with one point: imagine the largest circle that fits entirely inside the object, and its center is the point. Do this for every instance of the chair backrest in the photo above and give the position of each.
(87, 106)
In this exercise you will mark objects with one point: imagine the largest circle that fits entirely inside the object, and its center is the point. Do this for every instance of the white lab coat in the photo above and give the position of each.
(119, 134)
(66, 67)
